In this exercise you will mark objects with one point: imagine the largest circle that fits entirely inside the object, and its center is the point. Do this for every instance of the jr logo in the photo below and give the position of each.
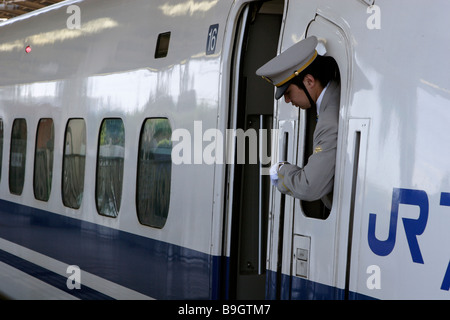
(413, 228)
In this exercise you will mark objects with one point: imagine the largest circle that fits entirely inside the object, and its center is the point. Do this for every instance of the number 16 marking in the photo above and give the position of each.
(211, 42)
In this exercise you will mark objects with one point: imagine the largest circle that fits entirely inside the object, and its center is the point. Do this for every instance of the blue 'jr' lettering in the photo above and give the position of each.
(446, 283)
(413, 227)
(445, 201)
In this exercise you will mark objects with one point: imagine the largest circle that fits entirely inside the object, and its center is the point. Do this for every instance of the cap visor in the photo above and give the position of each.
(281, 90)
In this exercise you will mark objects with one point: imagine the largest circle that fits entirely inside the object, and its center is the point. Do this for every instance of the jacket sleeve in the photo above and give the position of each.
(312, 182)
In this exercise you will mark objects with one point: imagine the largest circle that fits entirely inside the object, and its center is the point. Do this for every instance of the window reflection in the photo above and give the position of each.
(43, 160)
(110, 160)
(154, 172)
(74, 163)
(18, 156)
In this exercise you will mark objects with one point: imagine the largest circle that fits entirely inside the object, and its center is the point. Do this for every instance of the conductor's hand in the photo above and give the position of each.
(274, 174)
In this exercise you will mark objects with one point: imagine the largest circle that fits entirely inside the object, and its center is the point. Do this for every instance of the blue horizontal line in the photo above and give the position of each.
(154, 268)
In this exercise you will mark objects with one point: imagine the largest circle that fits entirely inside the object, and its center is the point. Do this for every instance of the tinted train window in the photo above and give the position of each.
(17, 158)
(154, 172)
(111, 151)
(74, 163)
(43, 160)
(162, 45)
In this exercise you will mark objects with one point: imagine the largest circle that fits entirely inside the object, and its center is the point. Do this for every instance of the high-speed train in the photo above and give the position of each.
(136, 139)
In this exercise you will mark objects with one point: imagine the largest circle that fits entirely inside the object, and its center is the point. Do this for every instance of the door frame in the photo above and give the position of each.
(232, 224)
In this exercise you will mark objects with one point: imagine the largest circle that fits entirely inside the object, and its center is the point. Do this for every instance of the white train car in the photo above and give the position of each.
(123, 173)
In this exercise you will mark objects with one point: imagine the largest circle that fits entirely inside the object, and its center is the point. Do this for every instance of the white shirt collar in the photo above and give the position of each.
(319, 101)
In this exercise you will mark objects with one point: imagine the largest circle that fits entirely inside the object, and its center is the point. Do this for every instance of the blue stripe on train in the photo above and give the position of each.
(296, 288)
(157, 269)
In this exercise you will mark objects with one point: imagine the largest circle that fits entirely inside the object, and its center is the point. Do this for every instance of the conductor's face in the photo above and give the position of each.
(297, 97)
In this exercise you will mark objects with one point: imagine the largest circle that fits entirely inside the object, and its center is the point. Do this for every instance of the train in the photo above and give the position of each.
(136, 137)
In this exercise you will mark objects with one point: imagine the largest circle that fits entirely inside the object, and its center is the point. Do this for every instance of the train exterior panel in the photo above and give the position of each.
(106, 69)
(121, 124)
(382, 237)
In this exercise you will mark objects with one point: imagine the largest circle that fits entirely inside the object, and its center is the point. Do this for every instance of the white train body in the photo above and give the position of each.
(134, 106)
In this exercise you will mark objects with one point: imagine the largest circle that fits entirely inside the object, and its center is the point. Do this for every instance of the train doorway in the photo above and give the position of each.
(251, 118)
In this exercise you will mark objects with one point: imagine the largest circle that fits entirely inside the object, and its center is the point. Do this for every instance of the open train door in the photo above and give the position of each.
(310, 246)
(315, 248)
(251, 121)
(326, 251)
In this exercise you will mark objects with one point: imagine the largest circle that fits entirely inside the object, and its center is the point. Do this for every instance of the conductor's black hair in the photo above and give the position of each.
(324, 69)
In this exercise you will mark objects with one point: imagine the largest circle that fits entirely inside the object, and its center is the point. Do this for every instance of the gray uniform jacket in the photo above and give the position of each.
(316, 179)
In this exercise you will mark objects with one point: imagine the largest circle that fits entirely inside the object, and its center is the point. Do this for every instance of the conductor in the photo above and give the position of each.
(308, 80)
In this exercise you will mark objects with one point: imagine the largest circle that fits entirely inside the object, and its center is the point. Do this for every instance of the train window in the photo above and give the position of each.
(154, 172)
(110, 157)
(1, 146)
(162, 45)
(43, 160)
(18, 156)
(74, 163)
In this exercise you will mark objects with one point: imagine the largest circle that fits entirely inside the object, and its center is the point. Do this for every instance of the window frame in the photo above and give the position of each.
(99, 210)
(162, 45)
(154, 219)
(50, 180)
(65, 203)
(13, 159)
